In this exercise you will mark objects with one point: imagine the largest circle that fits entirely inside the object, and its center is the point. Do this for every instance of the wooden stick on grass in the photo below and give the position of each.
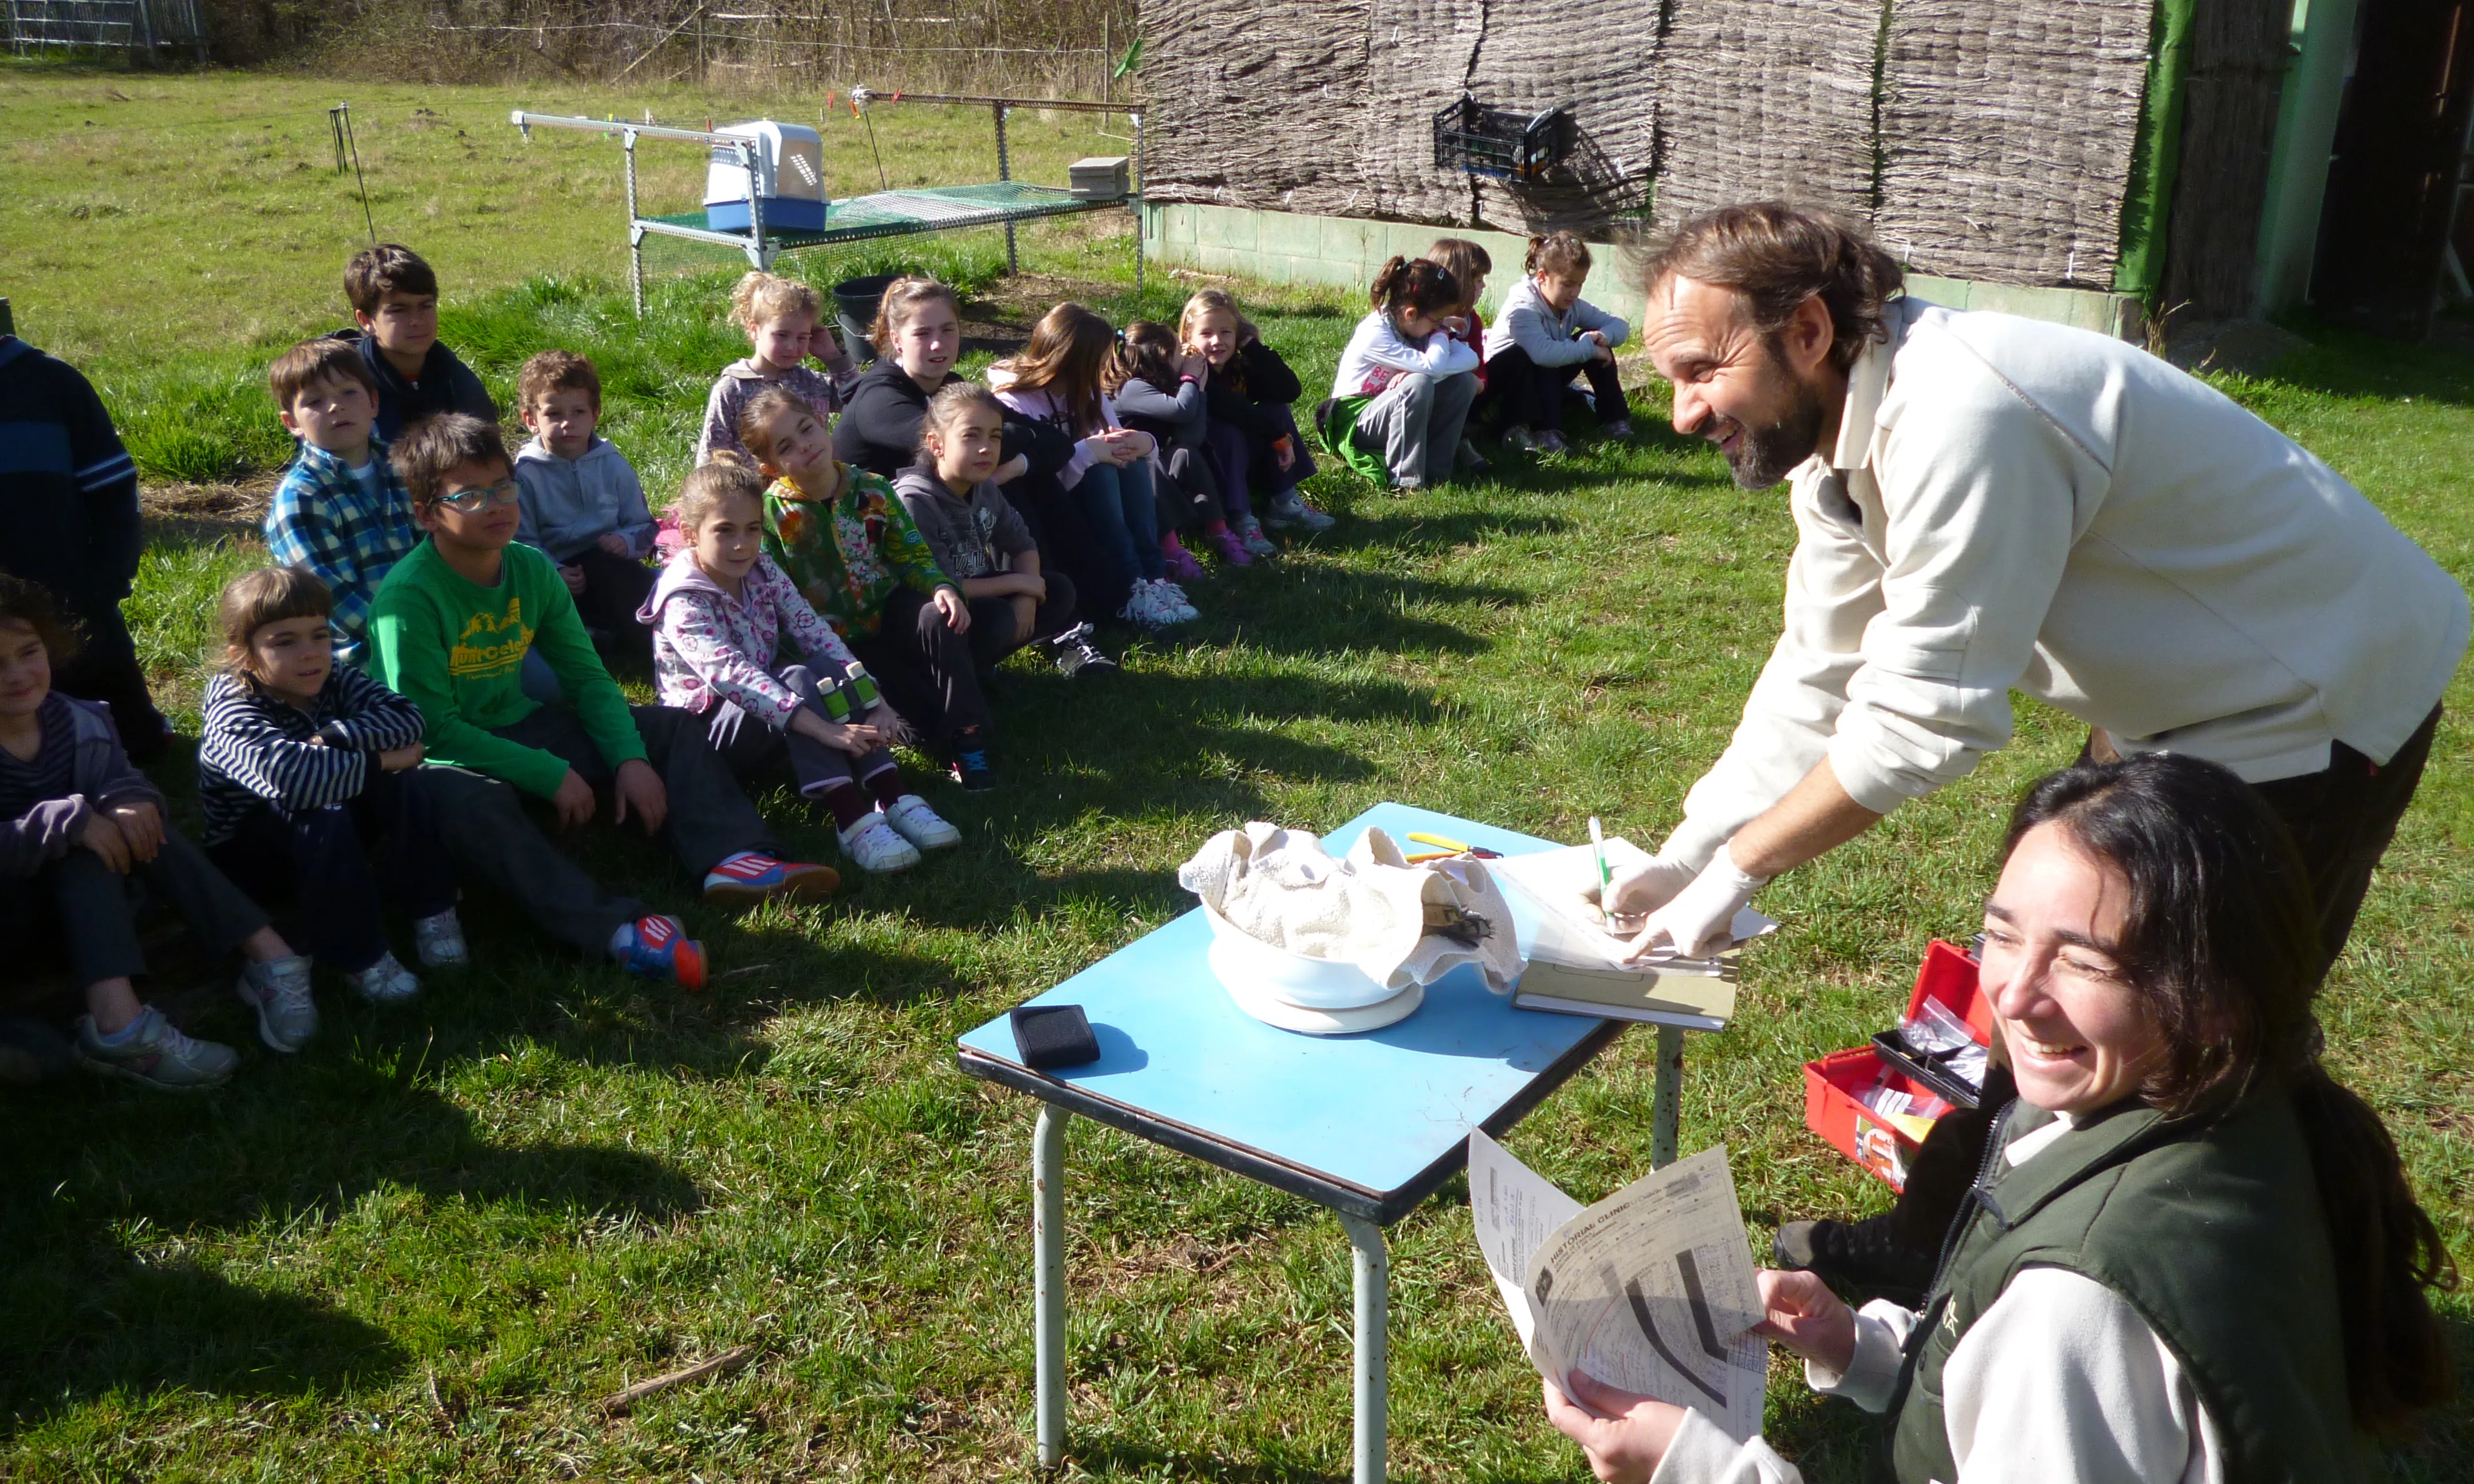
(618, 1403)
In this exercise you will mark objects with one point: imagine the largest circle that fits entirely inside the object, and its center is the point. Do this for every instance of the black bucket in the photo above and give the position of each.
(855, 306)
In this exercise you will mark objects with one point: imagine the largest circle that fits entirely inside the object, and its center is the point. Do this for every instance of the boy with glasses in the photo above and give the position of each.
(451, 627)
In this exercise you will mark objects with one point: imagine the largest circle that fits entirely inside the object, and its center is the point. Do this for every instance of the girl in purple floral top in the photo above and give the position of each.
(719, 615)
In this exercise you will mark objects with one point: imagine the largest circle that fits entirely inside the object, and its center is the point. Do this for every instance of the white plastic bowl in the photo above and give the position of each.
(1299, 979)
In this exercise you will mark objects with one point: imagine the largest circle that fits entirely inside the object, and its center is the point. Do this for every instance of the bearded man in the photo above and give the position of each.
(1986, 504)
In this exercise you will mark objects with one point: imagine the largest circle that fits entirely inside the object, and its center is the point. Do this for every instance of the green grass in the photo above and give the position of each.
(423, 1247)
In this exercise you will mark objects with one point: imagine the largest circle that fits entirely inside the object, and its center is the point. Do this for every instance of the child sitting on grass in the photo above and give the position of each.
(1404, 384)
(339, 513)
(1157, 385)
(980, 543)
(1253, 434)
(719, 617)
(1468, 264)
(583, 504)
(918, 335)
(1548, 334)
(394, 296)
(77, 824)
(844, 538)
(785, 325)
(68, 489)
(1058, 379)
(303, 765)
(452, 628)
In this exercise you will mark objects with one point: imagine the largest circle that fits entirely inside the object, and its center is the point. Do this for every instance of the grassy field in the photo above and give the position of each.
(426, 1247)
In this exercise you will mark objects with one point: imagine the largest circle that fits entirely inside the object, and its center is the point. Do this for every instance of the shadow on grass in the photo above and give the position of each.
(306, 1142)
(2345, 362)
(1374, 526)
(122, 1325)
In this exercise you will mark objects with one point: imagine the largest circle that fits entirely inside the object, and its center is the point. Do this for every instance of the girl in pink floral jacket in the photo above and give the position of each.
(719, 615)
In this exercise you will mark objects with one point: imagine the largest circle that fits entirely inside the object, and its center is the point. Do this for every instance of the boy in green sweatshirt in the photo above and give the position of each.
(450, 626)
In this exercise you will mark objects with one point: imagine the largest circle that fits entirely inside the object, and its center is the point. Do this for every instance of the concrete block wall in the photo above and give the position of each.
(1279, 246)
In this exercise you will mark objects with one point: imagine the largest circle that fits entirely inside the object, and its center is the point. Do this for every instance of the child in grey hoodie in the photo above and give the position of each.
(980, 543)
(582, 504)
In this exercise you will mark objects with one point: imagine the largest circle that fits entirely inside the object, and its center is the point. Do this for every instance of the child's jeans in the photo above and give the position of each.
(614, 588)
(504, 857)
(317, 864)
(1533, 395)
(750, 748)
(710, 820)
(924, 667)
(1417, 422)
(994, 634)
(1267, 471)
(89, 905)
(1123, 511)
(1231, 455)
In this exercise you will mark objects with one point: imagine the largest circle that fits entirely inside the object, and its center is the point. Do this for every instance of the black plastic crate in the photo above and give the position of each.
(1498, 142)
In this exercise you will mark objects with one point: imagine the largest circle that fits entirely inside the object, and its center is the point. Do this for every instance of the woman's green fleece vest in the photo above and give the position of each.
(2212, 1232)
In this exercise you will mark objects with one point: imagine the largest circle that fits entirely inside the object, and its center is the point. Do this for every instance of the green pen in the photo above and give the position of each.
(1598, 850)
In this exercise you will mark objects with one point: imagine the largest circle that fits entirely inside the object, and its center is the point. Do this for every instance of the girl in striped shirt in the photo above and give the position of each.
(305, 765)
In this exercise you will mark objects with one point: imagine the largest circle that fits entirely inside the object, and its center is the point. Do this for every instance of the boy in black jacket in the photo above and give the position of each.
(69, 521)
(395, 301)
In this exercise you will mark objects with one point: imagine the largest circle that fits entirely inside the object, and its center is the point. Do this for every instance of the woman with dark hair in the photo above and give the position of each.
(2190, 1253)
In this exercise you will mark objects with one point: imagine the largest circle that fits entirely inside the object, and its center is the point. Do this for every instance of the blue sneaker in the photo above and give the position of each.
(659, 947)
(751, 876)
(970, 768)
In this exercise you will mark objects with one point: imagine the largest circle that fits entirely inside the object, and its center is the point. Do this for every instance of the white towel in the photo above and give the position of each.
(1281, 887)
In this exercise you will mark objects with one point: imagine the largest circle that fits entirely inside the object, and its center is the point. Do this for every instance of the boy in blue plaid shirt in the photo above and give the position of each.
(340, 511)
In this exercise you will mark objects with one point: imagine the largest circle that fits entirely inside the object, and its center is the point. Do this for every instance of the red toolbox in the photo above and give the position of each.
(1836, 1087)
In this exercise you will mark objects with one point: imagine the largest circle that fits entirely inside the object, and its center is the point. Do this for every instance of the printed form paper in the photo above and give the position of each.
(1651, 1290)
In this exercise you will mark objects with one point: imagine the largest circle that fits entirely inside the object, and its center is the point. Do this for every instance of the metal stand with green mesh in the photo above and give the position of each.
(887, 213)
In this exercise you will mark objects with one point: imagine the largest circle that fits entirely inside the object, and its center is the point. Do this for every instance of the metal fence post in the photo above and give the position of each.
(635, 234)
(1004, 172)
(1137, 121)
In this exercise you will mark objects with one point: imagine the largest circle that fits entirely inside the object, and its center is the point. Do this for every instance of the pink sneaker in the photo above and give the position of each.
(1232, 547)
(1181, 564)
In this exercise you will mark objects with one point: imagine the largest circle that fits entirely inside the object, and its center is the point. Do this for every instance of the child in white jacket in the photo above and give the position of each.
(1549, 333)
(1405, 384)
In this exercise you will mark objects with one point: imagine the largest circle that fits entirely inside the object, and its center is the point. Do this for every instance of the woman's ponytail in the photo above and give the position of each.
(2387, 1252)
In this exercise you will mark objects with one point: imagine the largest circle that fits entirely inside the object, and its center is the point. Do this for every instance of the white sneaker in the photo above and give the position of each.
(279, 992)
(1290, 509)
(439, 941)
(913, 821)
(385, 982)
(873, 846)
(1172, 598)
(1144, 610)
(1250, 531)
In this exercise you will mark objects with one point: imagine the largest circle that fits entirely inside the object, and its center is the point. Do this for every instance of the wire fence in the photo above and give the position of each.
(1071, 48)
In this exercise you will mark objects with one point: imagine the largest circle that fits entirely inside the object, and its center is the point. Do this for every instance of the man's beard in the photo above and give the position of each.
(1767, 453)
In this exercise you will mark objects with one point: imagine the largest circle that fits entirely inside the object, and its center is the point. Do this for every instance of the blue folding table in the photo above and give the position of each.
(1369, 1124)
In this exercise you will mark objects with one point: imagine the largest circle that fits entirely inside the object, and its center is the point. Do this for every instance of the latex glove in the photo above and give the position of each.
(1638, 891)
(1700, 919)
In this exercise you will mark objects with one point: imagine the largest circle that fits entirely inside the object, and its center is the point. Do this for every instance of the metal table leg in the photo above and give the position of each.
(1373, 1378)
(1669, 1093)
(1047, 1239)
